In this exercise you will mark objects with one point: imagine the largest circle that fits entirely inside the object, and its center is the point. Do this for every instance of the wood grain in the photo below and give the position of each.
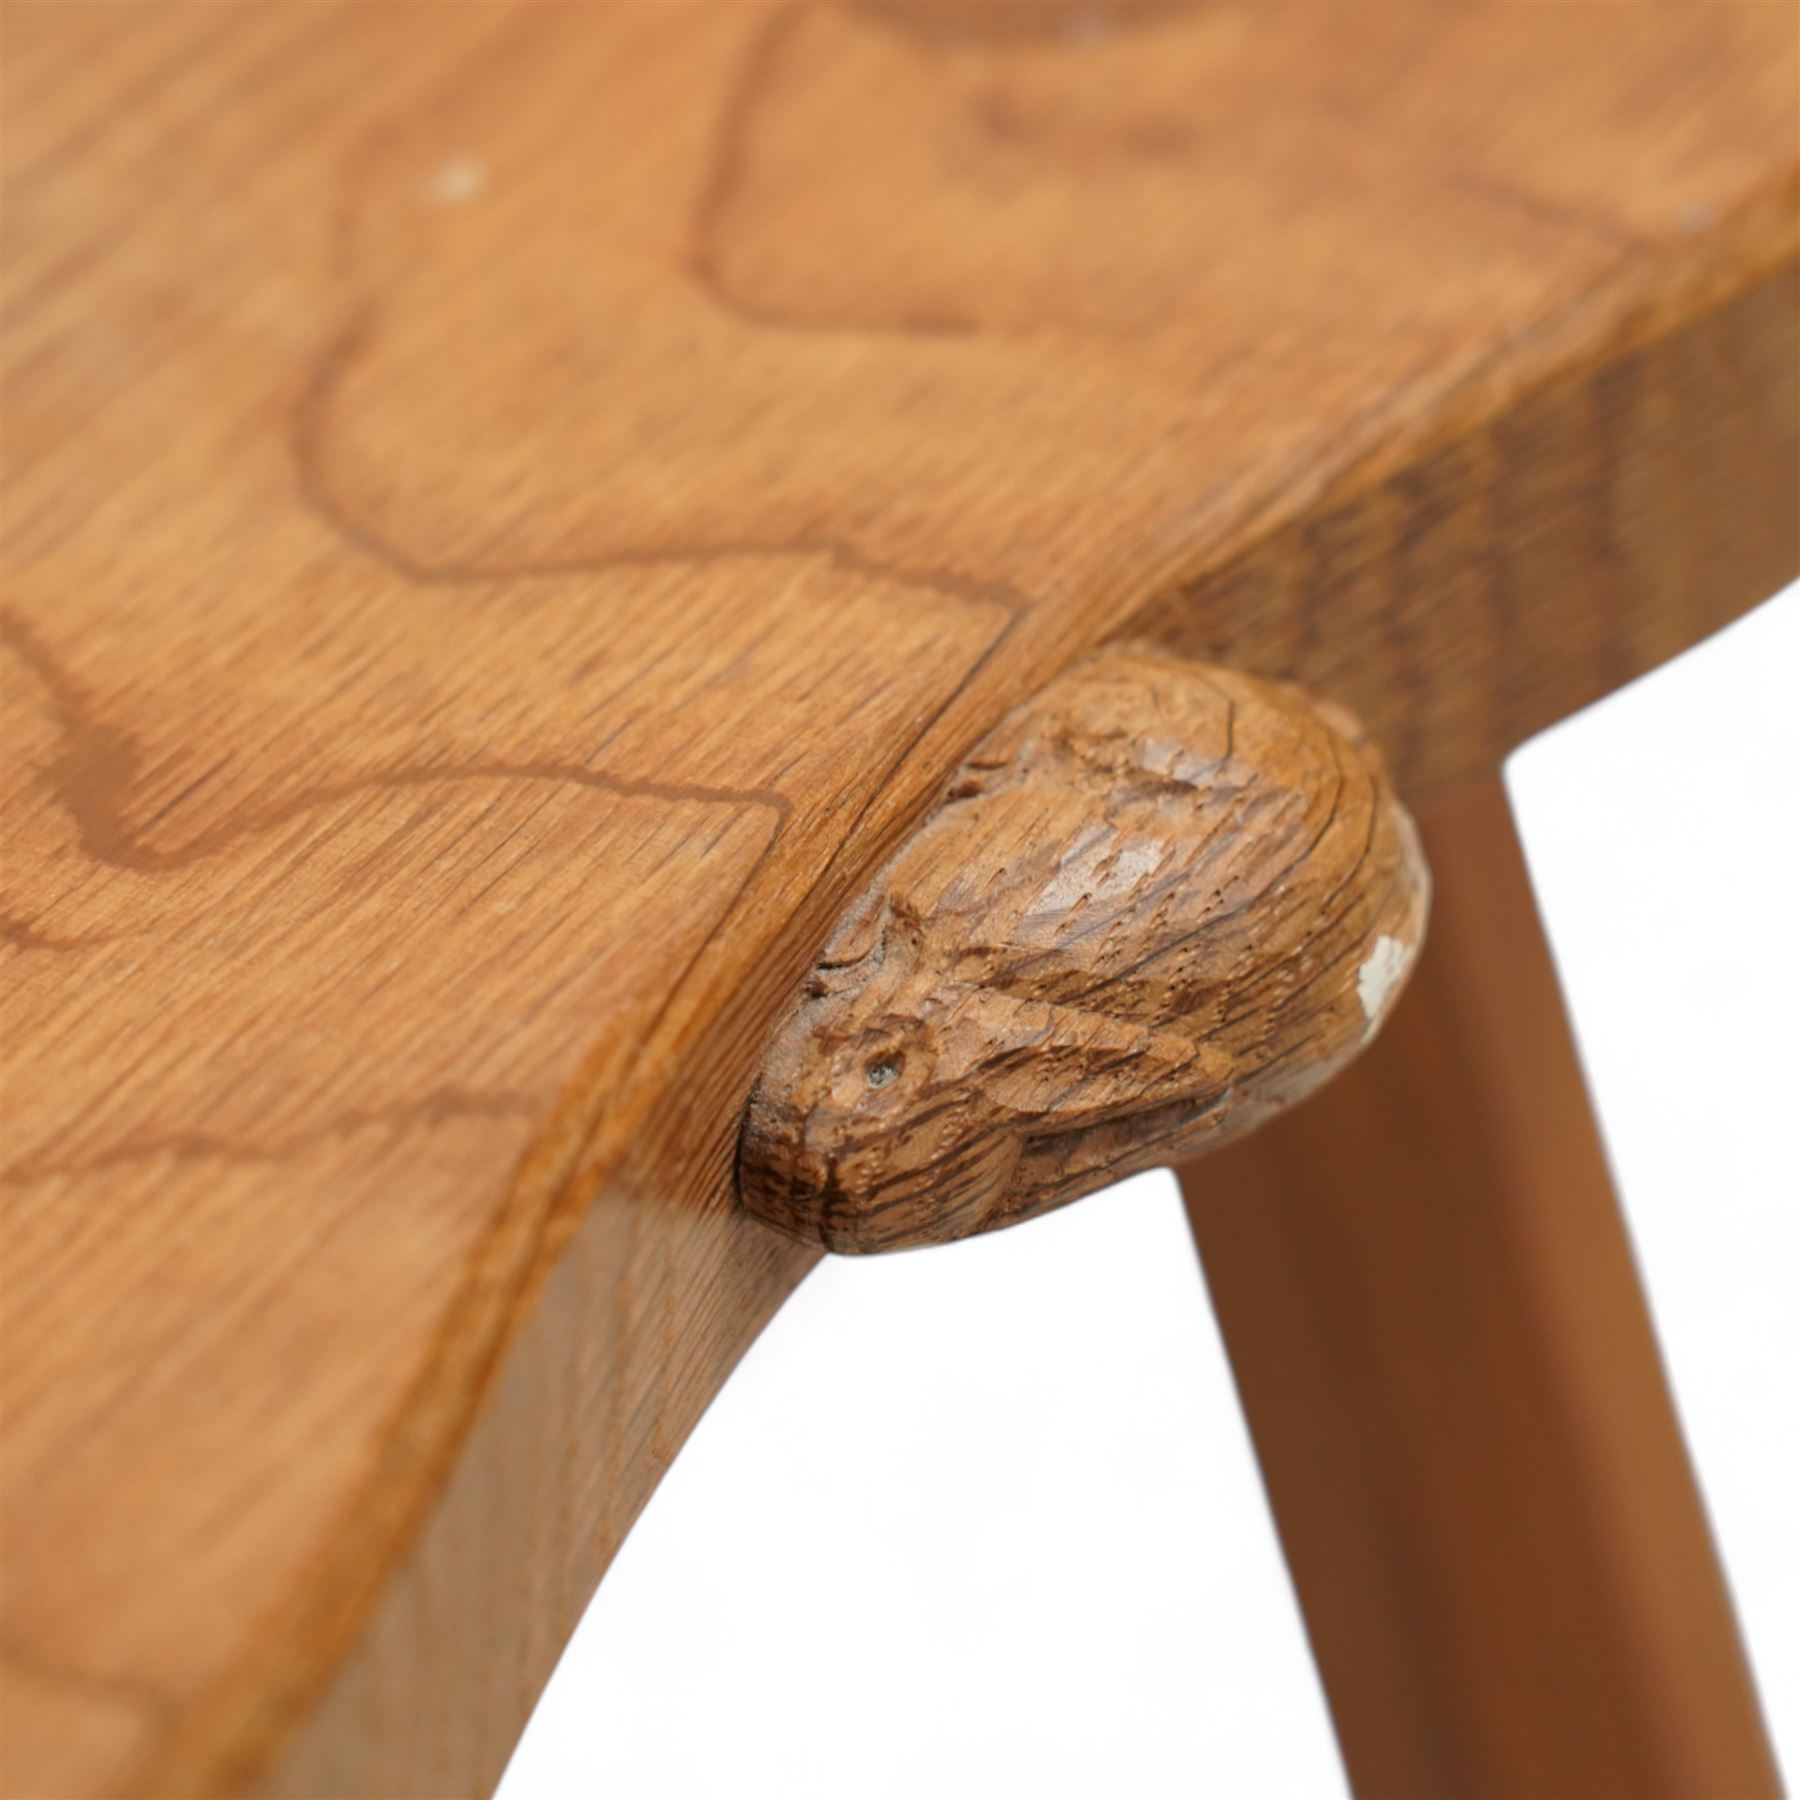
(1452, 1380)
(512, 513)
(1158, 903)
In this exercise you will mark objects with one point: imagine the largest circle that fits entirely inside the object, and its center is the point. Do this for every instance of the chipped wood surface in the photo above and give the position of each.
(1158, 903)
(498, 553)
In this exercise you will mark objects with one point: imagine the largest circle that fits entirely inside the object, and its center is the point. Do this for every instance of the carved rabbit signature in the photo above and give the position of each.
(1158, 902)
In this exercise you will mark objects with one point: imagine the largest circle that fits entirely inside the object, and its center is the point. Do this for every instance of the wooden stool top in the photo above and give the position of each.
(513, 511)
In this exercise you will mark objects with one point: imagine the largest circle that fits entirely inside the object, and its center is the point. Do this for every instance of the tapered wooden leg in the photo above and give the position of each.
(1455, 1393)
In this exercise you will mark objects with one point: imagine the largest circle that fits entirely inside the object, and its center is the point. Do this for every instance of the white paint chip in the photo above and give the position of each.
(460, 180)
(1380, 975)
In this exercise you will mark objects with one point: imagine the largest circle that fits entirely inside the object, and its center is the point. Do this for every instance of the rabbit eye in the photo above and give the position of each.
(882, 1071)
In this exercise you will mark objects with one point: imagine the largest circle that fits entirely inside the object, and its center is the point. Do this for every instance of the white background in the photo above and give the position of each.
(984, 1520)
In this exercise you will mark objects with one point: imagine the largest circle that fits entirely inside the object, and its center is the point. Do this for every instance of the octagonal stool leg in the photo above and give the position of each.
(1451, 1378)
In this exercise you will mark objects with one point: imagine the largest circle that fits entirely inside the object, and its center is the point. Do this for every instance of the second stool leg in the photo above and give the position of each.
(1456, 1397)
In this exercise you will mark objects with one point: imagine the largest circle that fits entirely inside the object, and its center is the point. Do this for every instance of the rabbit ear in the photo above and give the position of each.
(1036, 1063)
(844, 963)
(965, 1188)
(1057, 1101)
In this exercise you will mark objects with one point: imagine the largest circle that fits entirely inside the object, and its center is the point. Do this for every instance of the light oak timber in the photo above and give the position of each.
(498, 555)
(1453, 1385)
